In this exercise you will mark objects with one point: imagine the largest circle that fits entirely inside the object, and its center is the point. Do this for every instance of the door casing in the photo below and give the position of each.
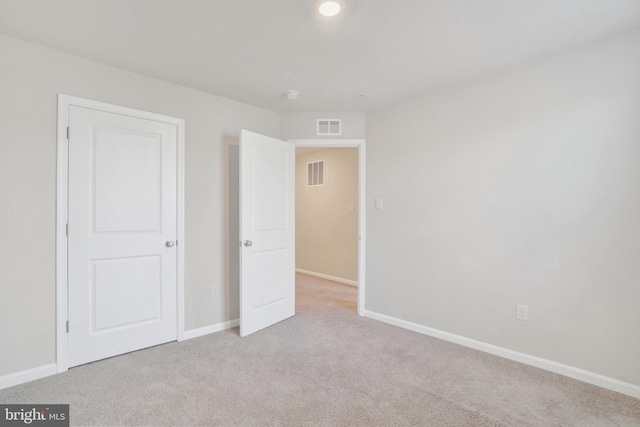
(64, 103)
(360, 144)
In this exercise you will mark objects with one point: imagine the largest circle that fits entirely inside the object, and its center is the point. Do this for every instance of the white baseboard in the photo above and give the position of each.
(28, 375)
(548, 365)
(51, 369)
(326, 276)
(211, 329)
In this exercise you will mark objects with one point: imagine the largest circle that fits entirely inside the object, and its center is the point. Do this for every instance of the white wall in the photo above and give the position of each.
(518, 188)
(30, 79)
(327, 216)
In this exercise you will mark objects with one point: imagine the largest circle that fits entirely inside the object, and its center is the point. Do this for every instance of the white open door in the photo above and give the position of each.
(267, 231)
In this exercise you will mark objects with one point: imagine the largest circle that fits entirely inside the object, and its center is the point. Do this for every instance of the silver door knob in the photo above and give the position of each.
(248, 243)
(169, 243)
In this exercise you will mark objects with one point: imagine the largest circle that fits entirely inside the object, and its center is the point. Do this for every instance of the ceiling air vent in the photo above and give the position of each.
(329, 127)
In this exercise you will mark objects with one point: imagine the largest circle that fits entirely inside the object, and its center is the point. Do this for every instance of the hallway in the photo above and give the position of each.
(315, 294)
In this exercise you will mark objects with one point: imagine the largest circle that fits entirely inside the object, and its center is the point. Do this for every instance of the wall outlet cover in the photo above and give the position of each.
(522, 312)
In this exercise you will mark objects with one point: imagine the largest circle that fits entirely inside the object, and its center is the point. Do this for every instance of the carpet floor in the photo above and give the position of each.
(324, 367)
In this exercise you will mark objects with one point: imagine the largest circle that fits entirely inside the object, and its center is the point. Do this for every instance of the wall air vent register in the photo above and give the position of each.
(315, 173)
(329, 127)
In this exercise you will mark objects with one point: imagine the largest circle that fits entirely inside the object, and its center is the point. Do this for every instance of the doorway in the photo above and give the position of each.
(344, 220)
(243, 245)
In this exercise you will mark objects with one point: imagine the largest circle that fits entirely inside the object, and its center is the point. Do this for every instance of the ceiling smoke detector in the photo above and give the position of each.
(328, 7)
(291, 94)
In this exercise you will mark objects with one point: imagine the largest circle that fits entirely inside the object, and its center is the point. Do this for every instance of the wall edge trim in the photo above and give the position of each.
(328, 277)
(43, 371)
(27, 375)
(211, 329)
(548, 365)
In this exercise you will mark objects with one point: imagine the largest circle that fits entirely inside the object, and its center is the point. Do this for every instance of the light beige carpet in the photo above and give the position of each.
(326, 366)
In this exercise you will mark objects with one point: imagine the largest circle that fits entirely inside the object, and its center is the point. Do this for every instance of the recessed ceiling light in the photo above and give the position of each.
(329, 7)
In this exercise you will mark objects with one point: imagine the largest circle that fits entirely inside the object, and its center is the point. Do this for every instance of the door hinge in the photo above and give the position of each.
(66, 229)
(67, 326)
(67, 132)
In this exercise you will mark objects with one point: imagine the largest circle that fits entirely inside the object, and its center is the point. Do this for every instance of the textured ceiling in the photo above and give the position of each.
(377, 52)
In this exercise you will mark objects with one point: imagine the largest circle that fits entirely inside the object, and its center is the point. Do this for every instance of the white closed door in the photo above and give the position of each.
(122, 256)
(267, 231)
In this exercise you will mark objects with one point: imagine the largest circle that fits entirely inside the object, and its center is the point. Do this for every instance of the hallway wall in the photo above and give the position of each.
(327, 216)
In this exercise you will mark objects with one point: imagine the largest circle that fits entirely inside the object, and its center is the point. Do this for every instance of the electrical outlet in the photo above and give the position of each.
(214, 292)
(522, 312)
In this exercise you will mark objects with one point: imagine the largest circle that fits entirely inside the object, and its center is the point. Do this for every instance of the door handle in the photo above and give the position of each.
(169, 243)
(248, 243)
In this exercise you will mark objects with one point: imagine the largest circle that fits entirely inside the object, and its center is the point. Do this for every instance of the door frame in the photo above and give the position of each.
(62, 199)
(360, 144)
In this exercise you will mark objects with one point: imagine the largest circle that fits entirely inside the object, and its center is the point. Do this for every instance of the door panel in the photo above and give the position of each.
(126, 173)
(267, 230)
(125, 292)
(122, 281)
(269, 189)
